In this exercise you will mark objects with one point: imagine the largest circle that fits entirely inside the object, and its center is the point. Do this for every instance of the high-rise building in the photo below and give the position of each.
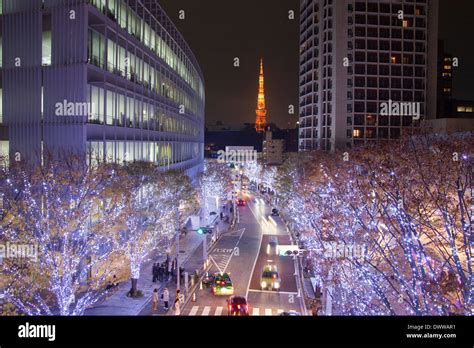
(357, 56)
(272, 149)
(111, 79)
(261, 112)
(445, 80)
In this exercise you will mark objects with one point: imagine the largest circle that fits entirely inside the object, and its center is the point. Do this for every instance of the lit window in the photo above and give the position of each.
(356, 133)
(468, 108)
(46, 48)
(461, 109)
(393, 60)
(447, 67)
(406, 23)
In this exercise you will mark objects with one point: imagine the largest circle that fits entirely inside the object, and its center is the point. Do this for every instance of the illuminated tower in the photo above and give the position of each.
(261, 112)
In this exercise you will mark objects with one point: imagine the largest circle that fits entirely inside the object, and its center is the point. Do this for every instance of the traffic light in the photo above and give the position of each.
(203, 230)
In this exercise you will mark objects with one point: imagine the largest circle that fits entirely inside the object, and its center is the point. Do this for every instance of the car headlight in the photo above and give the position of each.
(264, 284)
(276, 285)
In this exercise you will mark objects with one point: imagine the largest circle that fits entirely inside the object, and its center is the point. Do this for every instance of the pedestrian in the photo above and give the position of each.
(163, 271)
(166, 298)
(222, 216)
(177, 309)
(171, 268)
(155, 300)
(160, 272)
(154, 272)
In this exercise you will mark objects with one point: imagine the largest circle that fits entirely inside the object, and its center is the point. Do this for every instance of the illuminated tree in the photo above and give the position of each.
(406, 205)
(151, 223)
(69, 212)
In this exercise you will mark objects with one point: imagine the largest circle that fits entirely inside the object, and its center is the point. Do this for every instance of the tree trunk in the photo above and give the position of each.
(133, 290)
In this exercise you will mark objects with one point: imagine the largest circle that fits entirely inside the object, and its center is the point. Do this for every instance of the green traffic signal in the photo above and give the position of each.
(200, 230)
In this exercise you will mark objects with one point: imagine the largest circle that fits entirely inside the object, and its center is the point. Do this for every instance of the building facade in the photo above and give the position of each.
(355, 56)
(272, 149)
(111, 79)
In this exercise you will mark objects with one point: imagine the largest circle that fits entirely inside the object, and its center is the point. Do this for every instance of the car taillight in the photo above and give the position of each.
(274, 276)
(238, 306)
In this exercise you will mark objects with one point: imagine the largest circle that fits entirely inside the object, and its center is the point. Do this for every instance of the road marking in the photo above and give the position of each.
(256, 256)
(206, 310)
(233, 253)
(256, 311)
(219, 311)
(194, 310)
(273, 292)
(268, 311)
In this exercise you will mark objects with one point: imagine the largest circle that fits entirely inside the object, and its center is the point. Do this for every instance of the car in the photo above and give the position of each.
(291, 313)
(240, 202)
(237, 305)
(270, 279)
(272, 246)
(222, 284)
(275, 212)
(208, 280)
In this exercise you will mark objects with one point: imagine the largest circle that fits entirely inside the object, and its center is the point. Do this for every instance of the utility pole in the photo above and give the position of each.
(178, 275)
(204, 235)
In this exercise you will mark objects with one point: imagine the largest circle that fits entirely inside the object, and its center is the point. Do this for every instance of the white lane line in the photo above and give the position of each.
(256, 256)
(215, 263)
(268, 311)
(273, 292)
(256, 311)
(233, 251)
(194, 310)
(206, 310)
(219, 311)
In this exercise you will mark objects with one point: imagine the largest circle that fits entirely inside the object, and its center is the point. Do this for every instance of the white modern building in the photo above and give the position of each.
(357, 55)
(113, 80)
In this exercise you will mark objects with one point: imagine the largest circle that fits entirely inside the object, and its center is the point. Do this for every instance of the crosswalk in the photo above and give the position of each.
(217, 311)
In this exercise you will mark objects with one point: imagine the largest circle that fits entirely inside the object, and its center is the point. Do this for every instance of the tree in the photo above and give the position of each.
(67, 214)
(151, 221)
(216, 181)
(405, 206)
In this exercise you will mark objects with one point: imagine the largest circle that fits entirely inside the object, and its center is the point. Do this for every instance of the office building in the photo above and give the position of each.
(111, 79)
(358, 56)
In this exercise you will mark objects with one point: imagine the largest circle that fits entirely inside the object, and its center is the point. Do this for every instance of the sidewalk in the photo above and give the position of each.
(190, 258)
(193, 263)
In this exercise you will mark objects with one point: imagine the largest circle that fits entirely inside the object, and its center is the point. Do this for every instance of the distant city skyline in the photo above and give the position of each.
(253, 29)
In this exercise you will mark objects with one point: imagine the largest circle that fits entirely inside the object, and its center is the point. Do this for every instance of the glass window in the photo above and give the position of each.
(110, 107)
(46, 57)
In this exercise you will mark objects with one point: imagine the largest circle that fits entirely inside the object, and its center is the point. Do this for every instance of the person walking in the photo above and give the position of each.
(154, 300)
(160, 272)
(166, 298)
(154, 272)
(177, 309)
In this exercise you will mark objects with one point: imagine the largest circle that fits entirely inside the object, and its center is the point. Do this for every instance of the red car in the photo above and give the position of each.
(241, 202)
(237, 305)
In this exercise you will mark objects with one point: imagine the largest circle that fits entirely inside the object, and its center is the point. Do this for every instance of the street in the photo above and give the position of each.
(242, 254)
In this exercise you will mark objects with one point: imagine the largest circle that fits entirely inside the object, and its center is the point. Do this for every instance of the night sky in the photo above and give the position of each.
(220, 30)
